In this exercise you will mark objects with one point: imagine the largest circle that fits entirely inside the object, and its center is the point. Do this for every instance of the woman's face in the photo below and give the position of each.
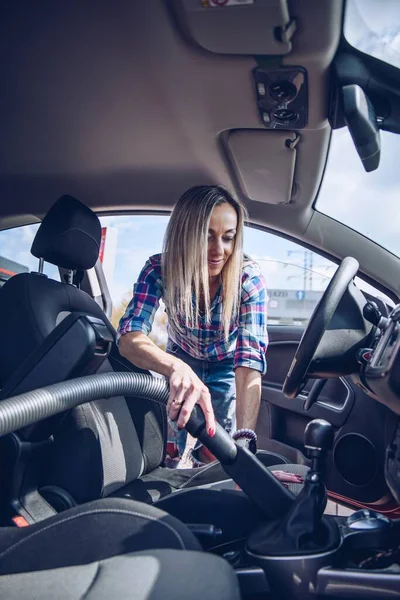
(221, 237)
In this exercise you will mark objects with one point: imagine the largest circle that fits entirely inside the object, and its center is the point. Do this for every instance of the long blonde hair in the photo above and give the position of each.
(185, 264)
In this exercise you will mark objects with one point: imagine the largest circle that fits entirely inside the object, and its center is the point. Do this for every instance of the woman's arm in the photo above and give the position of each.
(186, 389)
(248, 397)
(250, 362)
(140, 350)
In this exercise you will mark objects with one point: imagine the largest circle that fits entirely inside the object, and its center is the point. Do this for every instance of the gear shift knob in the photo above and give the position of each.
(318, 437)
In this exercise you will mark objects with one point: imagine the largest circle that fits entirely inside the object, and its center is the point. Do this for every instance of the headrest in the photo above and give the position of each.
(69, 235)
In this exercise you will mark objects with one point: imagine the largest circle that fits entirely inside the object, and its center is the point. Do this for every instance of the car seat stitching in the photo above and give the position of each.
(235, 541)
(93, 512)
(199, 473)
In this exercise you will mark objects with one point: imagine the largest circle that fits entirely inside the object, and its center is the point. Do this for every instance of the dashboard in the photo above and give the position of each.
(380, 376)
(381, 372)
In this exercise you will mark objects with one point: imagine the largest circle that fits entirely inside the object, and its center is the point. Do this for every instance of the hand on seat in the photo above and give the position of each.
(284, 477)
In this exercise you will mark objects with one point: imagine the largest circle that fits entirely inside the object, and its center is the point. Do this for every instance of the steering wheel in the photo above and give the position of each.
(317, 326)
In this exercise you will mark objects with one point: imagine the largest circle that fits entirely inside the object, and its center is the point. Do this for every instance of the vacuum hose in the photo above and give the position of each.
(31, 407)
(238, 462)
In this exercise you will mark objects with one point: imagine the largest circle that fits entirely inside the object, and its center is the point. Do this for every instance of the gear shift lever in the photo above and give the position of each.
(303, 529)
(318, 439)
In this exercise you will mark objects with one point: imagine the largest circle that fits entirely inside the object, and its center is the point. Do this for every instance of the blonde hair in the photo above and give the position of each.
(185, 264)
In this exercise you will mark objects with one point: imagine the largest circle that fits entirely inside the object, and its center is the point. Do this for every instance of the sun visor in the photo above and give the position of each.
(256, 27)
(263, 163)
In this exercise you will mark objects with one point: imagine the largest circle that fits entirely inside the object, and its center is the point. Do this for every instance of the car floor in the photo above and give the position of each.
(333, 508)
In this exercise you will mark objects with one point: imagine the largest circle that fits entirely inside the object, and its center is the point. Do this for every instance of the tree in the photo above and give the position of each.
(119, 309)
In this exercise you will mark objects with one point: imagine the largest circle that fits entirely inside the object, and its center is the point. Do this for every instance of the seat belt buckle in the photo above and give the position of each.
(204, 530)
(20, 521)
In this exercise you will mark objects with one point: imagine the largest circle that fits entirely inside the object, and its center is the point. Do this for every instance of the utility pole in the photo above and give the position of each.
(308, 266)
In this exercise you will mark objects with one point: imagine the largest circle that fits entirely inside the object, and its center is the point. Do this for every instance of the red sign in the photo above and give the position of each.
(102, 243)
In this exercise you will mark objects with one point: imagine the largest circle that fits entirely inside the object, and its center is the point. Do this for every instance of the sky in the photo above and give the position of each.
(139, 236)
(372, 26)
(367, 202)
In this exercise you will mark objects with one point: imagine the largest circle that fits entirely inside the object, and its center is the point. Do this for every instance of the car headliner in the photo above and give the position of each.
(112, 103)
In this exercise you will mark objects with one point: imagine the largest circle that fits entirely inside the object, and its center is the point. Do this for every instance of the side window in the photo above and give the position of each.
(296, 277)
(15, 255)
(127, 242)
(370, 289)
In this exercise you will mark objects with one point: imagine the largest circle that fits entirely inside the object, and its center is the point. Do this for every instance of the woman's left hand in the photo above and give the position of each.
(284, 477)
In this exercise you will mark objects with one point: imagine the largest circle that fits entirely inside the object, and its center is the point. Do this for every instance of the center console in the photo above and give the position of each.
(382, 369)
(362, 563)
(298, 552)
(306, 554)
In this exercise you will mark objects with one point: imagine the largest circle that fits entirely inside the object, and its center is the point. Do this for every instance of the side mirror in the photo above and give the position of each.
(359, 116)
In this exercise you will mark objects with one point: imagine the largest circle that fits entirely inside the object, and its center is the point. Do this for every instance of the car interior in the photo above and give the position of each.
(116, 109)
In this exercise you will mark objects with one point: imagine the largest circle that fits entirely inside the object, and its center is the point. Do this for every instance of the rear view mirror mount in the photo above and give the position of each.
(359, 116)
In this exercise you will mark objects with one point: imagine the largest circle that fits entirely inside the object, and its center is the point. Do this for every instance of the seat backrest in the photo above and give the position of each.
(97, 447)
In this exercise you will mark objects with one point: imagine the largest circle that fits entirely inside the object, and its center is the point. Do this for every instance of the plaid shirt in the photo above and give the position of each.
(248, 337)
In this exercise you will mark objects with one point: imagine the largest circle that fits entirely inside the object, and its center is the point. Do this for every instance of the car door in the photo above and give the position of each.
(296, 279)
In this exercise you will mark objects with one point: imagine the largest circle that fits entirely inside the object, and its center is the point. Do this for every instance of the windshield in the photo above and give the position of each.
(366, 202)
(373, 26)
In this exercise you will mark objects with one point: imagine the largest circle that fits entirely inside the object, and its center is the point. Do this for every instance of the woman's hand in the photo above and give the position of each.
(284, 477)
(186, 389)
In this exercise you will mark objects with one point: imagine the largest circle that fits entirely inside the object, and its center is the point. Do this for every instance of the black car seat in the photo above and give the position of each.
(111, 548)
(52, 331)
(93, 531)
(147, 575)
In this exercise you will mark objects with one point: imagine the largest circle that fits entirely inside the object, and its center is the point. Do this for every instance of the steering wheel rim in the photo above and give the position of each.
(317, 326)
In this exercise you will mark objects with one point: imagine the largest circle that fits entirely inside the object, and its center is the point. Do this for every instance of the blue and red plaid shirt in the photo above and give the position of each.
(248, 338)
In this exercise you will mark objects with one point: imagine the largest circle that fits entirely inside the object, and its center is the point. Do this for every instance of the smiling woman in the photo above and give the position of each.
(203, 250)
(216, 303)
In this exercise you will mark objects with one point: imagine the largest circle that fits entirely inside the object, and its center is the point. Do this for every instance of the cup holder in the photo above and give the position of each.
(371, 550)
(292, 573)
(367, 556)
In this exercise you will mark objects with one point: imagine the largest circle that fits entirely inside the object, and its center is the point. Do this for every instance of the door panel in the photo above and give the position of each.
(355, 467)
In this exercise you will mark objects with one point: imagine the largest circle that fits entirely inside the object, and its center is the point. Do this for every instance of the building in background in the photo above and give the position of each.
(9, 268)
(292, 307)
